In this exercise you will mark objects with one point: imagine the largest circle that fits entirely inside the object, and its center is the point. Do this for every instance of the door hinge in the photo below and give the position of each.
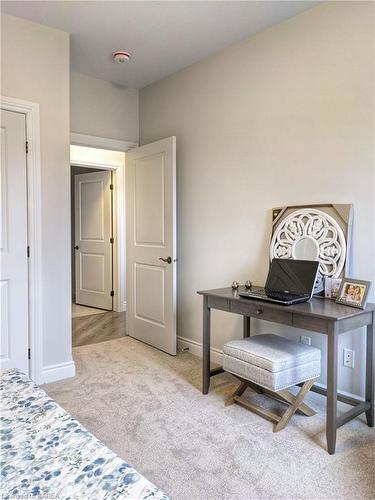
(111, 240)
(111, 187)
(29, 353)
(28, 251)
(27, 146)
(112, 293)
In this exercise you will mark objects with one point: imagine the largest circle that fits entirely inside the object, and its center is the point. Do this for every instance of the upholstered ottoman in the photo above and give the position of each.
(270, 364)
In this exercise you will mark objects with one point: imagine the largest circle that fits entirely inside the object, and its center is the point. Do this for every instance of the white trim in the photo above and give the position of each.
(184, 344)
(99, 166)
(195, 348)
(119, 254)
(92, 141)
(31, 111)
(344, 393)
(119, 221)
(60, 371)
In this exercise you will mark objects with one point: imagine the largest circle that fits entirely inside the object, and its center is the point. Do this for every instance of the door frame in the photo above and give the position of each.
(34, 229)
(112, 233)
(119, 218)
(93, 141)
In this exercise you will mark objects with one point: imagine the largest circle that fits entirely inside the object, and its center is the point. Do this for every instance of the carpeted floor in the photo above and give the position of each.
(147, 407)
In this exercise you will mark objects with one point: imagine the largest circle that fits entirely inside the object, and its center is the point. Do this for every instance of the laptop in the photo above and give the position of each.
(289, 281)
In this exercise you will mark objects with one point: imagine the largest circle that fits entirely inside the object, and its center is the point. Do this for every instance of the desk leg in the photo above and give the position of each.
(370, 371)
(331, 427)
(206, 345)
(246, 326)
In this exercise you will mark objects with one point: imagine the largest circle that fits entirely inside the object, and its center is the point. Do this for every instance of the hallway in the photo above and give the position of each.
(98, 328)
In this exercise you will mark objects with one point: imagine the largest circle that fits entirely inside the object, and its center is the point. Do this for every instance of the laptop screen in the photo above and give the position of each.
(292, 276)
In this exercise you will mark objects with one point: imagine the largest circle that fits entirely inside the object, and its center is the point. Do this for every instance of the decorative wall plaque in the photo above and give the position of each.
(315, 232)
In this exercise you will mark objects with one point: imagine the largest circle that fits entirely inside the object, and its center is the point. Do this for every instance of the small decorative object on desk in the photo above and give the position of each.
(353, 292)
(332, 287)
(235, 285)
(248, 284)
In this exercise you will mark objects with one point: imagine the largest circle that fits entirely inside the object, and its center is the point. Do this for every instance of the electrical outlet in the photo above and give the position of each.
(349, 358)
(305, 340)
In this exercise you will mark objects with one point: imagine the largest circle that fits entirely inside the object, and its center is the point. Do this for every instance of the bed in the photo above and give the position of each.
(46, 453)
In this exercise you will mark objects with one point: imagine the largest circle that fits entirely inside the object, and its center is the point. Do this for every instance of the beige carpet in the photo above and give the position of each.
(147, 407)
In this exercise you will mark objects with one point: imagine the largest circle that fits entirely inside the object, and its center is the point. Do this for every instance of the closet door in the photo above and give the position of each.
(14, 337)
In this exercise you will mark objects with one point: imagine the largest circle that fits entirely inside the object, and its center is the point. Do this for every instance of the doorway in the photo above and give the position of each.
(150, 274)
(92, 240)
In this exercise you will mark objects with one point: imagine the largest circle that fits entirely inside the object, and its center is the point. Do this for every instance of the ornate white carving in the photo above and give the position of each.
(322, 229)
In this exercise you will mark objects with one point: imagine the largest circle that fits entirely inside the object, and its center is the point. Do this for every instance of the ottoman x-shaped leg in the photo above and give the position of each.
(295, 401)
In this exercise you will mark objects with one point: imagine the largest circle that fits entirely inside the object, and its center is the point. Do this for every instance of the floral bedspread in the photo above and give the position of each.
(46, 453)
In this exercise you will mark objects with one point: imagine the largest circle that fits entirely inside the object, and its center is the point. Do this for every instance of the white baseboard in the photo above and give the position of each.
(195, 348)
(52, 373)
(344, 393)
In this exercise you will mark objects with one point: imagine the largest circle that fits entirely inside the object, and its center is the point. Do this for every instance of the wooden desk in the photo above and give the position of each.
(318, 315)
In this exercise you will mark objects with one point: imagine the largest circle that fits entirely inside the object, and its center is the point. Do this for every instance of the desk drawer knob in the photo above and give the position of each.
(259, 311)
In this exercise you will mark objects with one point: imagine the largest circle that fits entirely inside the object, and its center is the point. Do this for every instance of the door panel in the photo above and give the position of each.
(93, 228)
(92, 210)
(149, 200)
(149, 293)
(92, 273)
(5, 351)
(151, 235)
(14, 340)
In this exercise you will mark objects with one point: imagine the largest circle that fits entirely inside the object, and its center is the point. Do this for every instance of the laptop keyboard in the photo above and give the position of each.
(261, 292)
(283, 296)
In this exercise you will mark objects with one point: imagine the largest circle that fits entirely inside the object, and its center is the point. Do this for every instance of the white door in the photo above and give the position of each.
(93, 244)
(14, 337)
(151, 243)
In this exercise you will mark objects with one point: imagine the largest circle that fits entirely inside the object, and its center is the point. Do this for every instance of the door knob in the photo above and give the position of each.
(168, 260)
(76, 247)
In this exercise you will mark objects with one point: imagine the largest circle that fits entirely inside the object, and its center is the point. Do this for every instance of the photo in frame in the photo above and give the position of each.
(353, 292)
(332, 287)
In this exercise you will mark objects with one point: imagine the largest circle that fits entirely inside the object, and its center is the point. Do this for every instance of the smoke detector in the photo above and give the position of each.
(121, 56)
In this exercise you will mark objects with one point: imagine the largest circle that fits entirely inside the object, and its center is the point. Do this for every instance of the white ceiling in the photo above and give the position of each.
(163, 37)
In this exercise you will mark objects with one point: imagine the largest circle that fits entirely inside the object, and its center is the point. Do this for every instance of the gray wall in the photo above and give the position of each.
(285, 117)
(103, 109)
(35, 67)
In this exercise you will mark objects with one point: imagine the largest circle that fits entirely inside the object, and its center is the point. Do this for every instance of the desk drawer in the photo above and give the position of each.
(311, 323)
(218, 303)
(262, 312)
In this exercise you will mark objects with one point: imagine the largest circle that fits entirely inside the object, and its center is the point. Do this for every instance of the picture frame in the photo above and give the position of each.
(353, 292)
(332, 287)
